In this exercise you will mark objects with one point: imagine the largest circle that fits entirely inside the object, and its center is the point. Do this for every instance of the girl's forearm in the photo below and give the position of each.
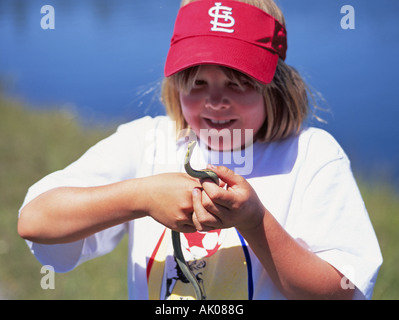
(69, 214)
(297, 272)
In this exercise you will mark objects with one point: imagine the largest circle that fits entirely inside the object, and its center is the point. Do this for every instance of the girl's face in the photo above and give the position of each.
(219, 109)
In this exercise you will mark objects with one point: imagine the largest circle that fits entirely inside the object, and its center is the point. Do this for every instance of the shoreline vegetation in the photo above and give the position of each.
(34, 143)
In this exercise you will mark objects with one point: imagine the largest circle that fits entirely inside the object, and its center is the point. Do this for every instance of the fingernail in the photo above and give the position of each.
(211, 167)
(195, 191)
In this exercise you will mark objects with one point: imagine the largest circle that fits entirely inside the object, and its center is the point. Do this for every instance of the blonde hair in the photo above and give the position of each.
(285, 98)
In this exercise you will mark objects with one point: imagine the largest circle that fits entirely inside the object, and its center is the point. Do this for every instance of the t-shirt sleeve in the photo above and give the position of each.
(113, 159)
(65, 257)
(333, 221)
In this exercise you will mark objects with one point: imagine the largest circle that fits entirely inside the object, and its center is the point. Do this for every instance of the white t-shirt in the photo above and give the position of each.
(305, 181)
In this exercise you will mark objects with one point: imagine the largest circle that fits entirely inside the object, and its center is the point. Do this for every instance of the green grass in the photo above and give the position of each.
(35, 143)
(382, 203)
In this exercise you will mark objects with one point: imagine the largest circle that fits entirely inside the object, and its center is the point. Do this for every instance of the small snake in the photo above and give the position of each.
(200, 174)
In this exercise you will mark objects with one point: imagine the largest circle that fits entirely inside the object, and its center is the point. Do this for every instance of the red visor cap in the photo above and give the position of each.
(229, 33)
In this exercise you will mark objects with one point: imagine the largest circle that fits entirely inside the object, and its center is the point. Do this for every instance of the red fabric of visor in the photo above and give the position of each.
(229, 33)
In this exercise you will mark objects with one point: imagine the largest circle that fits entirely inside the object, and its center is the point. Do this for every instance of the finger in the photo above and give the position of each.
(213, 207)
(203, 220)
(226, 175)
(218, 196)
(222, 184)
(201, 226)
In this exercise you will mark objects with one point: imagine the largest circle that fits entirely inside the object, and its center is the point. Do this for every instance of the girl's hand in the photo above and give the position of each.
(236, 206)
(74, 213)
(168, 199)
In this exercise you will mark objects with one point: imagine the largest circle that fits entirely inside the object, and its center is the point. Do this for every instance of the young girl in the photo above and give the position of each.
(285, 221)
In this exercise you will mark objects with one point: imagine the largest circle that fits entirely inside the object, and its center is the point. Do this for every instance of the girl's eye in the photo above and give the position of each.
(199, 83)
(242, 85)
(235, 86)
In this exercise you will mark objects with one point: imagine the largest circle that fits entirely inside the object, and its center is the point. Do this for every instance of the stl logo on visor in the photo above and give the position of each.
(225, 15)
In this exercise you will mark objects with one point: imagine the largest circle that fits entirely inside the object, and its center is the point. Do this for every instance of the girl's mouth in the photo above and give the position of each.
(220, 123)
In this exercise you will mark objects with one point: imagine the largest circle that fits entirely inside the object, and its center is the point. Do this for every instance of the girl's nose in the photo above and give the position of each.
(217, 100)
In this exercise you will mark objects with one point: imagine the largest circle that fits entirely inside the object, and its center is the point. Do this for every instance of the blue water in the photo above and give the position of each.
(104, 60)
